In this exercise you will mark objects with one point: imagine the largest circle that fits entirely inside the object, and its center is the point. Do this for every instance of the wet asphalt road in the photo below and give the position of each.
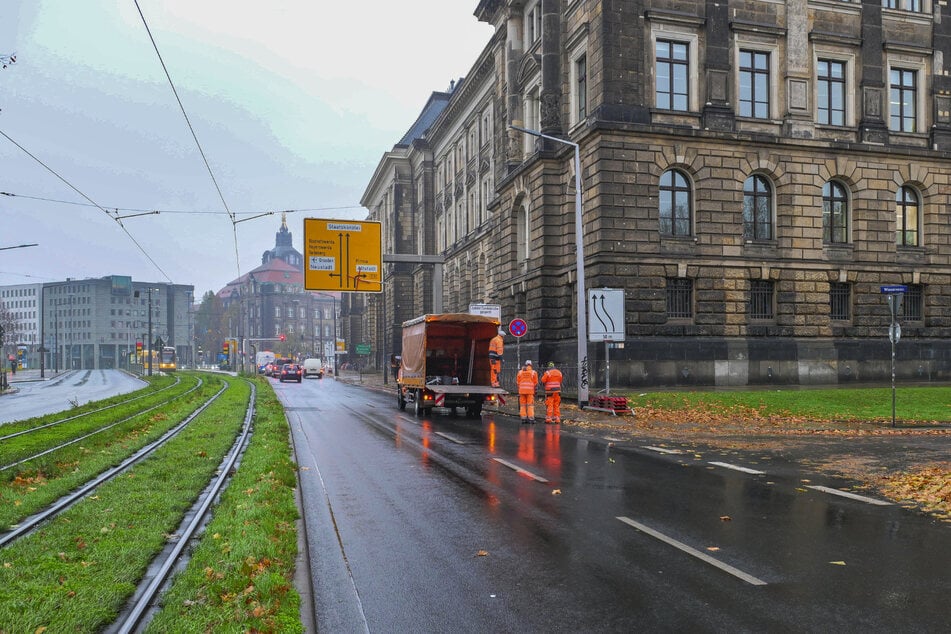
(449, 524)
(58, 392)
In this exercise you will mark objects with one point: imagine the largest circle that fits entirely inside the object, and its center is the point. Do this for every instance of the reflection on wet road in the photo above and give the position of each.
(446, 523)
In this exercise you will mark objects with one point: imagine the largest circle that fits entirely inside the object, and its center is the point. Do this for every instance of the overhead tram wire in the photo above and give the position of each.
(234, 229)
(256, 214)
(117, 219)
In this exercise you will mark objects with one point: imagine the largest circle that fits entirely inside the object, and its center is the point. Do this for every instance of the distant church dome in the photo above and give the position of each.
(284, 248)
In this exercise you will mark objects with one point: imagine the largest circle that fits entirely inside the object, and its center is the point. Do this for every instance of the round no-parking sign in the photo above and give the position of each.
(518, 327)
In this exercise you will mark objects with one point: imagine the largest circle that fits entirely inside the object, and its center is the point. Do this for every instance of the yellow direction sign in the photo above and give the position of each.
(343, 255)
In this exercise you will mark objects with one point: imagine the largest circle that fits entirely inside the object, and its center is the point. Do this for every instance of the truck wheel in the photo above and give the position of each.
(400, 401)
(474, 411)
(419, 406)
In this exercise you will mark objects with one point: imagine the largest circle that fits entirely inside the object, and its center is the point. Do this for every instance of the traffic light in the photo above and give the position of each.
(224, 348)
(283, 337)
(138, 346)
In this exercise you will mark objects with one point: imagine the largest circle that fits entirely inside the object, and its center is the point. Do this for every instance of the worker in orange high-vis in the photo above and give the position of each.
(551, 381)
(527, 380)
(496, 346)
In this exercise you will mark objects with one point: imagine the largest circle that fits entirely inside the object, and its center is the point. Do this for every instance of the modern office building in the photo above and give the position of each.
(753, 174)
(95, 323)
(20, 318)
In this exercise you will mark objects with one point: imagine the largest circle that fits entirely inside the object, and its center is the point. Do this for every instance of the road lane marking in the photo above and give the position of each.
(727, 465)
(851, 496)
(518, 469)
(451, 438)
(739, 574)
(662, 450)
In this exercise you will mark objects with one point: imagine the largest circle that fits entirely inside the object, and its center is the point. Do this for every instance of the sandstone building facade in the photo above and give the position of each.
(753, 173)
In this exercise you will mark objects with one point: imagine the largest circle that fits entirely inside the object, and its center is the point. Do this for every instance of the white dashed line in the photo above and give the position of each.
(739, 574)
(851, 496)
(515, 467)
(662, 450)
(727, 465)
(450, 437)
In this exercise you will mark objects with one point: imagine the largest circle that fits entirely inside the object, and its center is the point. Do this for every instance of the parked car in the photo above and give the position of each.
(313, 367)
(291, 372)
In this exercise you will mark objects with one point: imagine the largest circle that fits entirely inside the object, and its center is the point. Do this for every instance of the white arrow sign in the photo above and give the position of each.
(606, 314)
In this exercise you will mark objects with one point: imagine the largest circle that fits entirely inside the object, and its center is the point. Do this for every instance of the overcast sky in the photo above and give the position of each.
(293, 101)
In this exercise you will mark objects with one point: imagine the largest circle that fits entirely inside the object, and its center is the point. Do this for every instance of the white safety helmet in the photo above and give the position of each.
(528, 362)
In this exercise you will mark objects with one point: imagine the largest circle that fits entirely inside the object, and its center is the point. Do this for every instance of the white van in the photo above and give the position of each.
(313, 367)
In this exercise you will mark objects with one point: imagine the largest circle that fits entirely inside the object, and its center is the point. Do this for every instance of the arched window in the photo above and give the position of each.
(675, 209)
(835, 213)
(907, 217)
(757, 208)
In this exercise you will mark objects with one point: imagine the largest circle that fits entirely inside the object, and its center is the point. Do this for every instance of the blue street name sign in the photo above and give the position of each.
(895, 288)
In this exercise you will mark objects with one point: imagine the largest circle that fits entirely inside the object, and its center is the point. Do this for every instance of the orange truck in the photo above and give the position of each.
(445, 363)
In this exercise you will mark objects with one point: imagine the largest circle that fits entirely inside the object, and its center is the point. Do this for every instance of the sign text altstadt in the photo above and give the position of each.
(343, 255)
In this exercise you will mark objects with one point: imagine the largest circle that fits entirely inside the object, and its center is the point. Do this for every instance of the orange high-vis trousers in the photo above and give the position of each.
(526, 405)
(553, 407)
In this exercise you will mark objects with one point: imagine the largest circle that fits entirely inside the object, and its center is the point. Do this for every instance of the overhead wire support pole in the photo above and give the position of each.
(579, 265)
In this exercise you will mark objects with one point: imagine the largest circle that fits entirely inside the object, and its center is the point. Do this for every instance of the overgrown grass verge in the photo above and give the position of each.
(240, 578)
(39, 483)
(78, 571)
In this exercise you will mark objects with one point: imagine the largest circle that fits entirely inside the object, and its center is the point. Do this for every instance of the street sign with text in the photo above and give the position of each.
(606, 314)
(343, 255)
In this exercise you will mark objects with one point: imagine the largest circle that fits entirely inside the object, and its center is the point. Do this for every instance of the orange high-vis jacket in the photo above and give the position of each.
(527, 379)
(495, 347)
(552, 380)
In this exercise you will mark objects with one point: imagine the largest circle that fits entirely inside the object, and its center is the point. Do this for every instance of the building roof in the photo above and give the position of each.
(431, 111)
(273, 271)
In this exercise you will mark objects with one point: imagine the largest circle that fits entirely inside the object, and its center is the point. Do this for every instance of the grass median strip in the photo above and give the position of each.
(240, 578)
(76, 573)
(39, 483)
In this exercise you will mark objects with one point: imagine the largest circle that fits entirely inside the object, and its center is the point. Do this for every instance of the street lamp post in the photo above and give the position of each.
(579, 258)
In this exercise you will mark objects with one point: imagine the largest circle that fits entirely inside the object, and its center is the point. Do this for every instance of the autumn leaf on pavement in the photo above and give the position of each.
(713, 549)
(482, 553)
(837, 563)
(725, 518)
(556, 492)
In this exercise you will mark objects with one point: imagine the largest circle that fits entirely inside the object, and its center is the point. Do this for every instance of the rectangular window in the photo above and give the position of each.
(903, 102)
(754, 84)
(904, 5)
(673, 72)
(679, 298)
(581, 87)
(830, 93)
(840, 301)
(913, 303)
(761, 299)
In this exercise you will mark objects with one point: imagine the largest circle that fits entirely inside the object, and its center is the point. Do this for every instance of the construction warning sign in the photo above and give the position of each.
(343, 255)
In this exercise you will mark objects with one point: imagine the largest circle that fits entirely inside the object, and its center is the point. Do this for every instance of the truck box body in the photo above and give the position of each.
(445, 362)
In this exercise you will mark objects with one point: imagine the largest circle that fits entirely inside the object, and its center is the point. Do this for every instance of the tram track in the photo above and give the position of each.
(162, 461)
(94, 432)
(30, 430)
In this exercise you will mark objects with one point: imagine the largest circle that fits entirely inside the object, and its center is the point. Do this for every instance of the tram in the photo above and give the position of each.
(166, 361)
